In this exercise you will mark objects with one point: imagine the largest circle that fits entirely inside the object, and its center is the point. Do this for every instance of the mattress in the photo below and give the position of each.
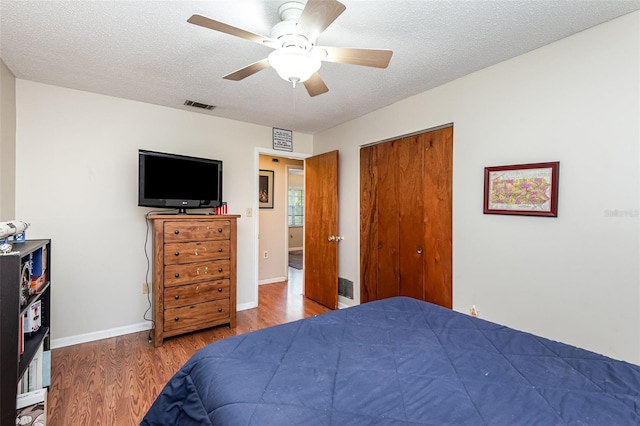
(397, 361)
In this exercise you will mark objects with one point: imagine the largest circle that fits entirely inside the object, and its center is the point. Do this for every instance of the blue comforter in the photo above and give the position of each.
(397, 361)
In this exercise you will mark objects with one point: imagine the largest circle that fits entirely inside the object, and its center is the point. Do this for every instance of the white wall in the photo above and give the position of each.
(7, 143)
(77, 184)
(574, 278)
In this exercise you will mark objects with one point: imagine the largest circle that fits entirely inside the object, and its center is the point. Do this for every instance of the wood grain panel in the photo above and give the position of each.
(368, 226)
(196, 231)
(438, 158)
(321, 222)
(196, 272)
(388, 284)
(195, 293)
(199, 315)
(196, 251)
(411, 215)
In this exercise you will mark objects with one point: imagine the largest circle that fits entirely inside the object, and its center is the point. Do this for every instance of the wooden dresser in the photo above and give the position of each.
(194, 273)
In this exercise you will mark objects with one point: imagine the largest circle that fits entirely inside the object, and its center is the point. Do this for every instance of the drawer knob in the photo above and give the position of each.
(177, 231)
(219, 229)
(177, 297)
(219, 269)
(176, 319)
(219, 289)
(220, 250)
(177, 275)
(219, 309)
(177, 253)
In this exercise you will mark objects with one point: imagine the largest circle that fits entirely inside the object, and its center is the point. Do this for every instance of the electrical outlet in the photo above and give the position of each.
(249, 212)
(145, 288)
(474, 312)
(265, 255)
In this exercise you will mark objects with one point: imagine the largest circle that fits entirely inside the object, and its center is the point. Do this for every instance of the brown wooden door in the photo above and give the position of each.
(405, 217)
(438, 259)
(321, 223)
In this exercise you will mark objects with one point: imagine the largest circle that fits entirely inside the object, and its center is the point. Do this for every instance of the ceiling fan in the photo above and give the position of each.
(296, 57)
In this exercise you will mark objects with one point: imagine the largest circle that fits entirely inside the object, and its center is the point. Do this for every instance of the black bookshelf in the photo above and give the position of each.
(13, 364)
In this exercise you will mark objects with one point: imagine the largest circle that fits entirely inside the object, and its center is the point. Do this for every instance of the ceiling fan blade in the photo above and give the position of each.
(212, 24)
(315, 85)
(317, 16)
(247, 71)
(378, 58)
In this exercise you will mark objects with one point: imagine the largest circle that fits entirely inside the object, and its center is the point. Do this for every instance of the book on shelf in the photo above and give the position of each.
(38, 374)
(38, 262)
(33, 317)
(31, 408)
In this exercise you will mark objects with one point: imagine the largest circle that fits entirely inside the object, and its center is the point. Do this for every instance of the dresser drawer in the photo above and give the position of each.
(188, 316)
(196, 251)
(196, 231)
(188, 273)
(195, 293)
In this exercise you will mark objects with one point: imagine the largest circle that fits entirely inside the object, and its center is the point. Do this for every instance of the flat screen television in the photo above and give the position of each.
(178, 181)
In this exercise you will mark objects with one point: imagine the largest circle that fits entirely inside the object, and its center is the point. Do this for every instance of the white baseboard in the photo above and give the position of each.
(272, 280)
(245, 306)
(295, 248)
(99, 335)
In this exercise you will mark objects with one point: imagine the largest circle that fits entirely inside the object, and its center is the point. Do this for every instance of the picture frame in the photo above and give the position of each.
(282, 139)
(522, 189)
(265, 189)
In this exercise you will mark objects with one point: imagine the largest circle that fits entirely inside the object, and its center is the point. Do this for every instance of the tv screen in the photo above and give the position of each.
(179, 181)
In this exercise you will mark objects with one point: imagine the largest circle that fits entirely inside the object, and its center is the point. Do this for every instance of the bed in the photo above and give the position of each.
(397, 361)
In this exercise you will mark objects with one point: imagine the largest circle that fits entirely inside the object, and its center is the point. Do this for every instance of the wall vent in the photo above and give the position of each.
(345, 288)
(198, 105)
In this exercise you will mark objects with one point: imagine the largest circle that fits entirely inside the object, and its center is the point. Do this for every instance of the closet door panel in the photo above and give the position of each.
(387, 212)
(368, 226)
(438, 165)
(411, 216)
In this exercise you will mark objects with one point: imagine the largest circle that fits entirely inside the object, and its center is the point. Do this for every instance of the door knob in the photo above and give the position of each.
(336, 238)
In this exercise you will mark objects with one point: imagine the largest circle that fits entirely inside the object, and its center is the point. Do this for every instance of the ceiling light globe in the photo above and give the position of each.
(293, 64)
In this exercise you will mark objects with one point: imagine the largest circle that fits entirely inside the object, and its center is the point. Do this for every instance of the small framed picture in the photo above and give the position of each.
(265, 189)
(522, 189)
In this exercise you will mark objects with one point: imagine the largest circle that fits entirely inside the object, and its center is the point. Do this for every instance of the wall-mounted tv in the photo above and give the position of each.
(178, 181)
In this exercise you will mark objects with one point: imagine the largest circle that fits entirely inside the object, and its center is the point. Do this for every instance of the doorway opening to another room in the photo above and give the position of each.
(281, 227)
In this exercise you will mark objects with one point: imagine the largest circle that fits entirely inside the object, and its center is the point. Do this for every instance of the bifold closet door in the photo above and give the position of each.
(405, 218)
(438, 230)
(410, 172)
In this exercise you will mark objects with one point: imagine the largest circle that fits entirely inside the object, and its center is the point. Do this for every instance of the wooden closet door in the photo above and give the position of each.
(387, 221)
(368, 225)
(406, 218)
(409, 187)
(438, 234)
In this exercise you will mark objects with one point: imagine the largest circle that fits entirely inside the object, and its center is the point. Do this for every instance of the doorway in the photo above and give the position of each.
(280, 224)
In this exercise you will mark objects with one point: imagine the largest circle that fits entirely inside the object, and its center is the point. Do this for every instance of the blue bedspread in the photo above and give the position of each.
(397, 361)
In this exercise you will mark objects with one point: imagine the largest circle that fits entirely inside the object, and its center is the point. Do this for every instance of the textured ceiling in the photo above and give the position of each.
(146, 50)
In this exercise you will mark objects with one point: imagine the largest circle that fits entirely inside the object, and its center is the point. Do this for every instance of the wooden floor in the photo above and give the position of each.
(114, 381)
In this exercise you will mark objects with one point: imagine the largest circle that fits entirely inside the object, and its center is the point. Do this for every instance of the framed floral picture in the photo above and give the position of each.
(522, 189)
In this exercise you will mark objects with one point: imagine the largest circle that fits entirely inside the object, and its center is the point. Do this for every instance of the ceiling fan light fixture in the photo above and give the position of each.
(294, 64)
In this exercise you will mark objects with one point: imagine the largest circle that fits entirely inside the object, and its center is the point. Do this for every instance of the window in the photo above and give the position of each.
(296, 207)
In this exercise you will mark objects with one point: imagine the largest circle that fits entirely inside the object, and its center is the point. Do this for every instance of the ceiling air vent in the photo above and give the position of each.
(198, 105)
